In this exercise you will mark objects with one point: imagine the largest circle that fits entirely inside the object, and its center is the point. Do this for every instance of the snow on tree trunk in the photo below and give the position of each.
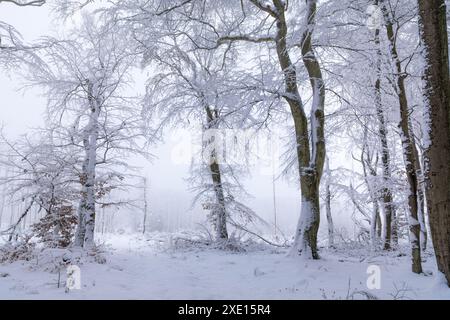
(310, 162)
(390, 225)
(81, 225)
(421, 216)
(219, 208)
(433, 32)
(420, 195)
(366, 159)
(328, 205)
(144, 222)
(91, 158)
(409, 156)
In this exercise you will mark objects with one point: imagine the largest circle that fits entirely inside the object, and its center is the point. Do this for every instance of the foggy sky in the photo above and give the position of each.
(20, 111)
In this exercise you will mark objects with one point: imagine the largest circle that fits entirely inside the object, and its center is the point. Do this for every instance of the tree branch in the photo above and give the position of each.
(31, 3)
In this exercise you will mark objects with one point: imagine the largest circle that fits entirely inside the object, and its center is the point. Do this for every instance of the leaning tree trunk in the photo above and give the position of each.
(433, 32)
(390, 227)
(408, 146)
(219, 209)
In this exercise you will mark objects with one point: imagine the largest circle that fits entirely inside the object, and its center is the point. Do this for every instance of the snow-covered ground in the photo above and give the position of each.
(152, 268)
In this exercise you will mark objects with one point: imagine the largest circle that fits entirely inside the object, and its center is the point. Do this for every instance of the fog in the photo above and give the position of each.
(170, 200)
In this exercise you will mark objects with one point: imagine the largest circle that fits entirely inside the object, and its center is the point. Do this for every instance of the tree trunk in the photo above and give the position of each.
(408, 146)
(91, 158)
(366, 162)
(219, 209)
(81, 226)
(386, 194)
(420, 199)
(310, 162)
(328, 205)
(433, 32)
(144, 223)
(420, 195)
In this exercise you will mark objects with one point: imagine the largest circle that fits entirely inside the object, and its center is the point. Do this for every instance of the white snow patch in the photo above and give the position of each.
(147, 268)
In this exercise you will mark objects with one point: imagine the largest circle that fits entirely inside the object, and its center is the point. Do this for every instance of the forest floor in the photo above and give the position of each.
(149, 268)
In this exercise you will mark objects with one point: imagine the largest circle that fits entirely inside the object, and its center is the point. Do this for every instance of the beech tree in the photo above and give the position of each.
(199, 87)
(408, 142)
(434, 37)
(309, 130)
(84, 79)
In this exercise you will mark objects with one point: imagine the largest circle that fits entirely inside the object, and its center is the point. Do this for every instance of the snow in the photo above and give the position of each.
(151, 268)
(305, 221)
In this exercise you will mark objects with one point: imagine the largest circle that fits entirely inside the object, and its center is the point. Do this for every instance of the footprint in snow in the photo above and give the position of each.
(118, 268)
(33, 292)
(258, 273)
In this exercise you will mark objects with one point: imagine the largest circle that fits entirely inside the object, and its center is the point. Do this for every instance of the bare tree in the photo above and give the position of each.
(85, 81)
(310, 142)
(409, 148)
(13, 50)
(41, 175)
(195, 86)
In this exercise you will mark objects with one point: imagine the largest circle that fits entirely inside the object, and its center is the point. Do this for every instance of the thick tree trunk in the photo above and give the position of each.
(317, 117)
(409, 156)
(310, 162)
(219, 209)
(433, 32)
(81, 226)
(386, 194)
(91, 158)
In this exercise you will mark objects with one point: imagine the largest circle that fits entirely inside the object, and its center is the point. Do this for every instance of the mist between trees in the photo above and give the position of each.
(347, 100)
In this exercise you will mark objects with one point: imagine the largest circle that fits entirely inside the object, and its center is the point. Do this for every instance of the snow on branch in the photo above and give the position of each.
(32, 3)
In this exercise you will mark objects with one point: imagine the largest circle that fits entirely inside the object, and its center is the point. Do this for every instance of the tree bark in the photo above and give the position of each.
(219, 209)
(328, 205)
(81, 226)
(310, 162)
(386, 193)
(420, 198)
(91, 158)
(409, 156)
(433, 32)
